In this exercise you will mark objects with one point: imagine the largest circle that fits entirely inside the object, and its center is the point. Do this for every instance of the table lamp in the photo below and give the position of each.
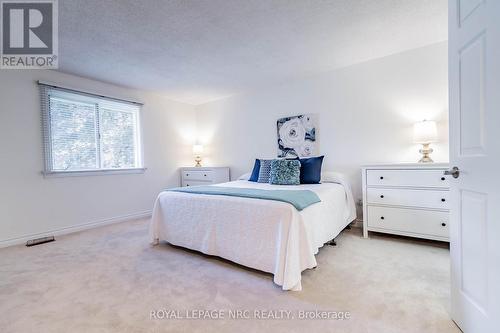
(425, 133)
(197, 151)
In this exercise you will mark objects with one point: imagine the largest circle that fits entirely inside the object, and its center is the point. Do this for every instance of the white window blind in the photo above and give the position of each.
(85, 132)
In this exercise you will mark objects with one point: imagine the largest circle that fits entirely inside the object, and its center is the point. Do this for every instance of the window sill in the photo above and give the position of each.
(87, 173)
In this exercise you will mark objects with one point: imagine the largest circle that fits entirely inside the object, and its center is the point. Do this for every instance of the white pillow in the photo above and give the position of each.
(245, 176)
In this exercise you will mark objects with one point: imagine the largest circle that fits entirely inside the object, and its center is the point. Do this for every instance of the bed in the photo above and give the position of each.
(270, 236)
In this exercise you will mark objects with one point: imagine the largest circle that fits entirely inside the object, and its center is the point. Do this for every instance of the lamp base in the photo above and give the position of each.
(198, 161)
(426, 151)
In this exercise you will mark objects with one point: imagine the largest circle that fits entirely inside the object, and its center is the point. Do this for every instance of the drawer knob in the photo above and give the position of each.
(187, 184)
(187, 174)
(381, 196)
(381, 177)
(204, 175)
(382, 217)
(443, 199)
(442, 178)
(443, 224)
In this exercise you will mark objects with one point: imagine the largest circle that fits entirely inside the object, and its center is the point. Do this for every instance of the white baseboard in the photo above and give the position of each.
(358, 223)
(75, 228)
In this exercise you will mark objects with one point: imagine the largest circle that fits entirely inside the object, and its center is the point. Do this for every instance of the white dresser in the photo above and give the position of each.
(204, 175)
(406, 199)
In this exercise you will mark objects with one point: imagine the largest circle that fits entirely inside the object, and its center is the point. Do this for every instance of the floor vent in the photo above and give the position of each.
(39, 241)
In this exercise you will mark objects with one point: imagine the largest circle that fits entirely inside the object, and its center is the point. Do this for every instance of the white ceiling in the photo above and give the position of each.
(197, 51)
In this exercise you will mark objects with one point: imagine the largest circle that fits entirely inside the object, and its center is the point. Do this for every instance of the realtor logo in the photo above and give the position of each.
(29, 34)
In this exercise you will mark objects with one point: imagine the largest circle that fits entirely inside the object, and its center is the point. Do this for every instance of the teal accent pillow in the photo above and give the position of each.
(285, 172)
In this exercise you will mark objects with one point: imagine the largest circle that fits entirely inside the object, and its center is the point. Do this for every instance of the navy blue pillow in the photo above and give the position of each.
(310, 170)
(255, 172)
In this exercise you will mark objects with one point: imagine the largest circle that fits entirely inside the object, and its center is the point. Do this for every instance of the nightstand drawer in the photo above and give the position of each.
(195, 183)
(407, 178)
(419, 222)
(410, 198)
(197, 175)
(193, 176)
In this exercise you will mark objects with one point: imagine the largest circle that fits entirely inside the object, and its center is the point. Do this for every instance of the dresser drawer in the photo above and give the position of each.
(197, 175)
(410, 178)
(418, 222)
(410, 198)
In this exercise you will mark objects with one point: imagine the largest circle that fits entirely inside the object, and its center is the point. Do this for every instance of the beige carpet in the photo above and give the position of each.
(110, 279)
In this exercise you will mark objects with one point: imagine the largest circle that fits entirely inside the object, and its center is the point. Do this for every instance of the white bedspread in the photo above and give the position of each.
(270, 236)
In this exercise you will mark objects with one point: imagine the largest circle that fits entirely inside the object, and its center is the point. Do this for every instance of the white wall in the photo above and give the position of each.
(31, 204)
(366, 113)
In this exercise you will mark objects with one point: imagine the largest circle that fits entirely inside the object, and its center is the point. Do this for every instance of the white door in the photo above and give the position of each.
(474, 72)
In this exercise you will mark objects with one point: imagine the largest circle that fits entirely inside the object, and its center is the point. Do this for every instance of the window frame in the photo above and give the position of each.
(86, 97)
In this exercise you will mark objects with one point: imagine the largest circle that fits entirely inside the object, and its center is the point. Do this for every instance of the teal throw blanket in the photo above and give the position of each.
(300, 199)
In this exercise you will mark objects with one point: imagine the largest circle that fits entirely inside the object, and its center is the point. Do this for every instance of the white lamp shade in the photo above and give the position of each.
(197, 149)
(425, 132)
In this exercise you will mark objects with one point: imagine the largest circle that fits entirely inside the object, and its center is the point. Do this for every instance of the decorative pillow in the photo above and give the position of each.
(310, 170)
(285, 172)
(255, 172)
(264, 171)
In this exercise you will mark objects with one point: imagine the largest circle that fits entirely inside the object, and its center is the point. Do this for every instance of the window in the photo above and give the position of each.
(85, 132)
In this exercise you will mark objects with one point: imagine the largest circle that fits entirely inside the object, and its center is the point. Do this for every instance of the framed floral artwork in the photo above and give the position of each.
(297, 136)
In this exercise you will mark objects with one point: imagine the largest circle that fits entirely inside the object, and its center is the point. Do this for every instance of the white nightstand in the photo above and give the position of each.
(204, 175)
(406, 199)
